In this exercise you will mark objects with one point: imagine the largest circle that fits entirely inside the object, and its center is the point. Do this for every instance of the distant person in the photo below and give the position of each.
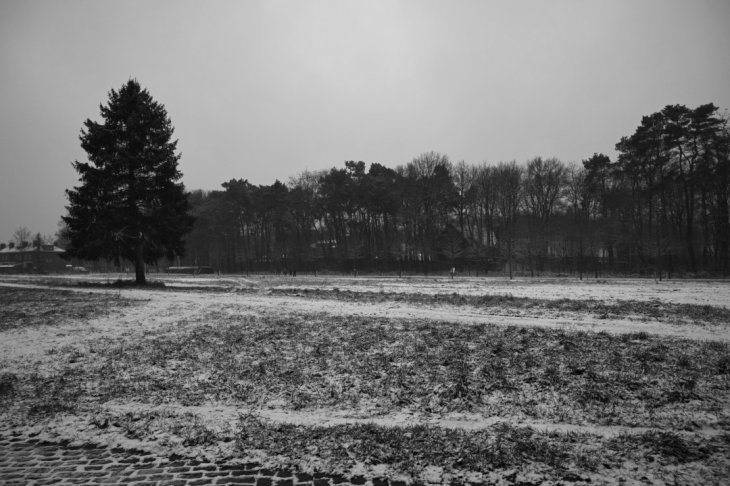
(453, 272)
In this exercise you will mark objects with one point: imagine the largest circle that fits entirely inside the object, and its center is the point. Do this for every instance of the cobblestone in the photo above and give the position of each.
(27, 461)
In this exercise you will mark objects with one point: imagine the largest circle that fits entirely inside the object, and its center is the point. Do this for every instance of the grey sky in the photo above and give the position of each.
(263, 90)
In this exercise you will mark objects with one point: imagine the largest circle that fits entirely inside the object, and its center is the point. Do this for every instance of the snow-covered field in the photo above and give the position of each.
(305, 354)
(696, 292)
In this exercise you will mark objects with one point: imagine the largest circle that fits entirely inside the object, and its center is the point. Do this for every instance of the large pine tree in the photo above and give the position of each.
(131, 204)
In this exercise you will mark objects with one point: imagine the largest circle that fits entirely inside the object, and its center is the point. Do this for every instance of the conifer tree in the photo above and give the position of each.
(130, 204)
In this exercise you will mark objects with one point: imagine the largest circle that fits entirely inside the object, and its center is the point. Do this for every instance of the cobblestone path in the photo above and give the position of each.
(27, 461)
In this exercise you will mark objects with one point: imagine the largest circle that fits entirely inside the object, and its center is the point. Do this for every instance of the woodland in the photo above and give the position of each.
(660, 208)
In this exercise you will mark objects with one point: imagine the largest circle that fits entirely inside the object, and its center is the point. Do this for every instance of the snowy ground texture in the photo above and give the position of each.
(423, 380)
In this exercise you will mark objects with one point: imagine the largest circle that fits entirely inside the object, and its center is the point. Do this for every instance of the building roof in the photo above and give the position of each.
(32, 249)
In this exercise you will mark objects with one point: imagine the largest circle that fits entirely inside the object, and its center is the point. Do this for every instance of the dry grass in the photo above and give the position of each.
(501, 446)
(376, 366)
(654, 310)
(381, 365)
(412, 448)
(40, 307)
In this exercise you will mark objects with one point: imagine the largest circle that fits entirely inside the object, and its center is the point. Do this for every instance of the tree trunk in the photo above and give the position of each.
(509, 255)
(139, 266)
(689, 235)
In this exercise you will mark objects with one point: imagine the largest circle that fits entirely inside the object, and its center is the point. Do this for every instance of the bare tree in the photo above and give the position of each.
(508, 192)
(22, 237)
(545, 181)
(424, 166)
(465, 177)
(544, 186)
(579, 204)
(430, 194)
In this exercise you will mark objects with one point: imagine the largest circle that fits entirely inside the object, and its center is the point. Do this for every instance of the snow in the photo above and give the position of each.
(181, 306)
(679, 291)
(161, 308)
(223, 415)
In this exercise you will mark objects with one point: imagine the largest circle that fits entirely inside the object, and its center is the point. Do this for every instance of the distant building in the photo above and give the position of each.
(43, 258)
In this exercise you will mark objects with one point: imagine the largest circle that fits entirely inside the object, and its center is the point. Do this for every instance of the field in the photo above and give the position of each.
(423, 380)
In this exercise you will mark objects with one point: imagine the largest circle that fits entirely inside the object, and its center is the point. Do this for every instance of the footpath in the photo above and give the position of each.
(29, 461)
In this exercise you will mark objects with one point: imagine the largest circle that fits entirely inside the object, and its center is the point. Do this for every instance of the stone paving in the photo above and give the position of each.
(29, 461)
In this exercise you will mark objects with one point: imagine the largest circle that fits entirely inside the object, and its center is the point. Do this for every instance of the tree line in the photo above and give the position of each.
(23, 238)
(660, 208)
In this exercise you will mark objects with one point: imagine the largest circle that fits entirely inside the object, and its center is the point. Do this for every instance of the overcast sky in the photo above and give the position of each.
(263, 90)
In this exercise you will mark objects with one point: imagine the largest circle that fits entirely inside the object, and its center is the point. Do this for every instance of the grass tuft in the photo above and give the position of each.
(408, 449)
(672, 445)
(121, 283)
(8, 383)
(635, 336)
(723, 364)
(54, 394)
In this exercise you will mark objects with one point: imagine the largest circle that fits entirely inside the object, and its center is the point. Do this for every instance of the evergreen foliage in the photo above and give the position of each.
(130, 204)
